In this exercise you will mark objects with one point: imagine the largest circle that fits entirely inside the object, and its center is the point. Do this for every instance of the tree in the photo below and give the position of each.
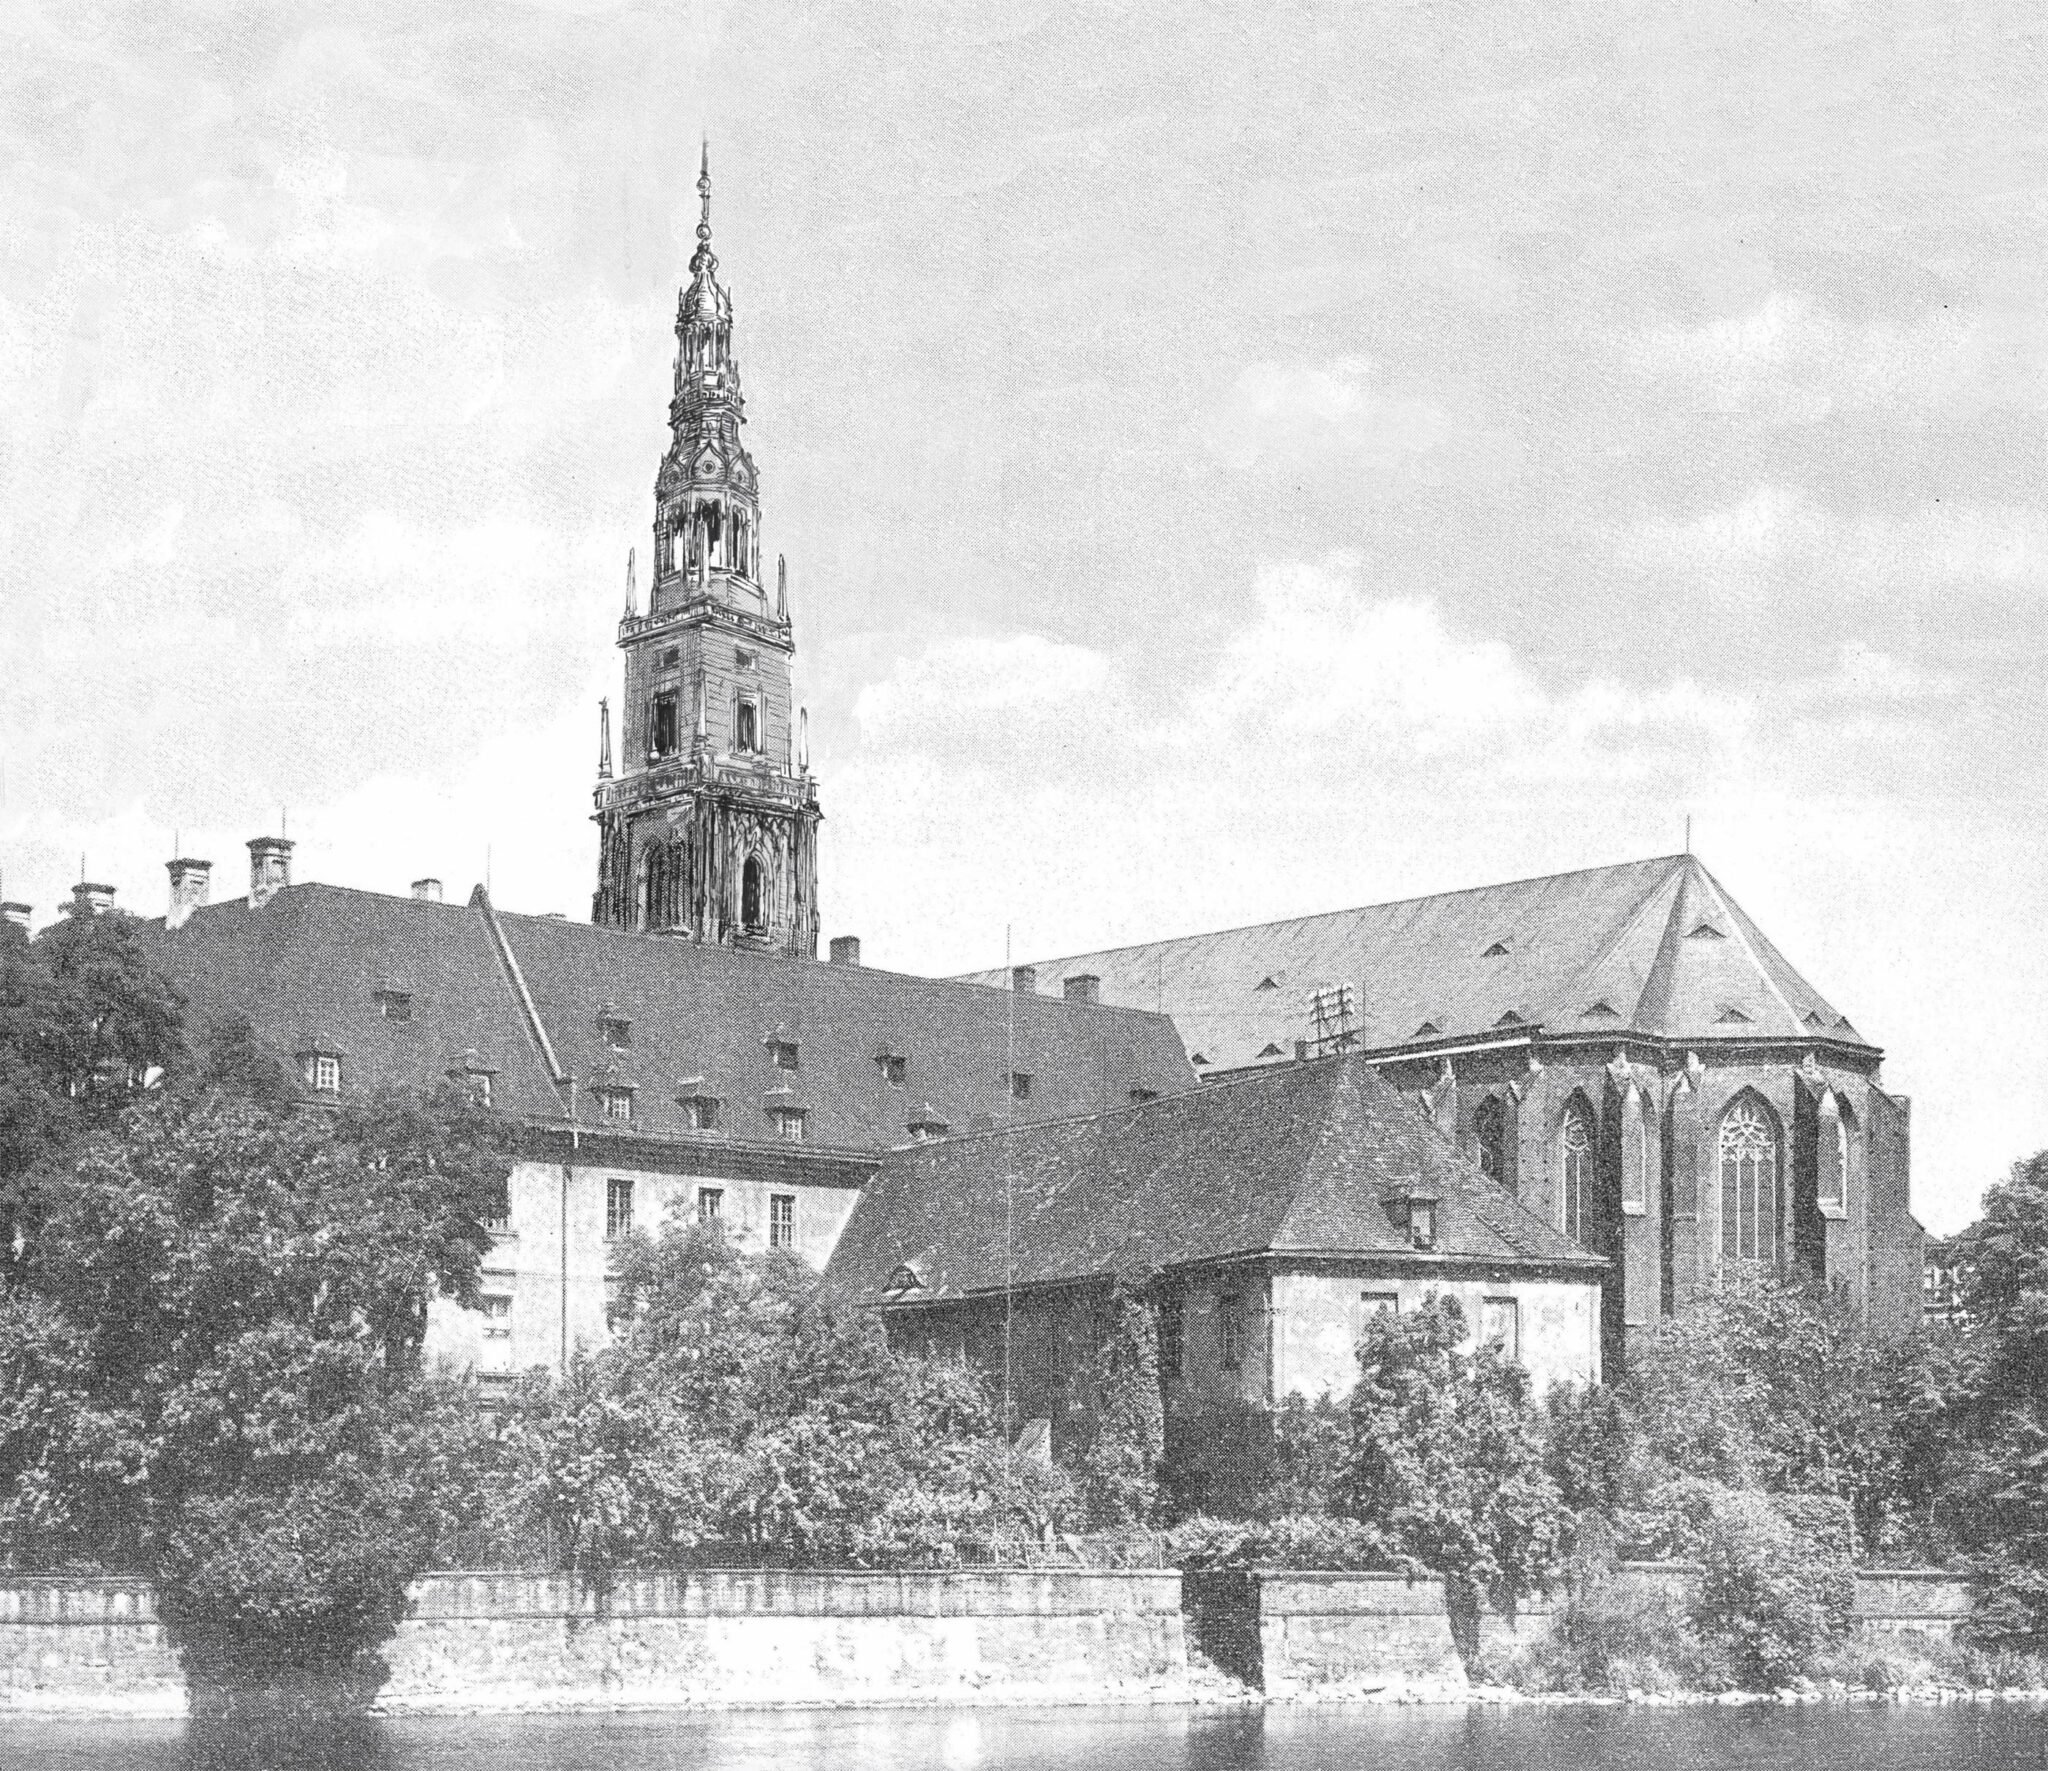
(86, 1024)
(737, 1403)
(1447, 1460)
(214, 1354)
(1116, 1468)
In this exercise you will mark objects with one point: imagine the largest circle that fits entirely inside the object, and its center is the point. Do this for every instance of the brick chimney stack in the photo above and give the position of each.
(1082, 987)
(428, 891)
(270, 868)
(1024, 979)
(846, 950)
(190, 883)
(91, 899)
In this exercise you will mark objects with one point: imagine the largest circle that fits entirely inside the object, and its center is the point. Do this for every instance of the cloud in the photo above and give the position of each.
(1290, 411)
(1792, 361)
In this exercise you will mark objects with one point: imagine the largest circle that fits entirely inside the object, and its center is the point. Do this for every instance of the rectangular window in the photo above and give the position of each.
(747, 734)
(325, 1075)
(498, 1211)
(1020, 1085)
(1500, 1325)
(618, 1032)
(395, 1005)
(1172, 1344)
(710, 1204)
(789, 1125)
(618, 1209)
(617, 1102)
(671, 656)
(1378, 1303)
(782, 1220)
(497, 1318)
(1230, 1330)
(742, 659)
(662, 741)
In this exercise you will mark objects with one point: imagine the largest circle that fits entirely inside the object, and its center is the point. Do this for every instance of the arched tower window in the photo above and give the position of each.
(714, 534)
(1750, 1166)
(747, 729)
(751, 916)
(1577, 1176)
(1833, 1159)
(1490, 1126)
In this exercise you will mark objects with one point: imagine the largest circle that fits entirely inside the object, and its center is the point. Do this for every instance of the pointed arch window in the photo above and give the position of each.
(1490, 1124)
(1577, 1176)
(752, 913)
(1750, 1165)
(1834, 1159)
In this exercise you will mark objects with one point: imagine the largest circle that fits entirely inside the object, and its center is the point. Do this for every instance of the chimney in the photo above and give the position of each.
(428, 891)
(270, 868)
(16, 913)
(190, 881)
(1083, 987)
(88, 899)
(1024, 978)
(846, 950)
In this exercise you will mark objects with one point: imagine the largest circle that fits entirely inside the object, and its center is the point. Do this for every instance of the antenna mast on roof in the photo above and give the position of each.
(1332, 1019)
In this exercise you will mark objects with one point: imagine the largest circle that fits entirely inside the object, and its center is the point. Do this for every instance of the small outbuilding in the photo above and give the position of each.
(1264, 1218)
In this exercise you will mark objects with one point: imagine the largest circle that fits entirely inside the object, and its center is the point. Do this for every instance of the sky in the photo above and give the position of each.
(1232, 461)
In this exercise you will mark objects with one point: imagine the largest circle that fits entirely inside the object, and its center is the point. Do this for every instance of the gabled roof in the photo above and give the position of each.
(1653, 947)
(311, 961)
(1304, 1159)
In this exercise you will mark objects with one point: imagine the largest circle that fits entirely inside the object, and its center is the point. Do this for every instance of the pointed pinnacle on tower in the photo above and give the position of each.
(632, 594)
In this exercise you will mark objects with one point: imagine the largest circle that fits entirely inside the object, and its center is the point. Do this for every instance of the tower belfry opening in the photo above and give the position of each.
(699, 822)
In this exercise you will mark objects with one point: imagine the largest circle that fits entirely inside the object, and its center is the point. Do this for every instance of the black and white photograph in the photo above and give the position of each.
(1057, 887)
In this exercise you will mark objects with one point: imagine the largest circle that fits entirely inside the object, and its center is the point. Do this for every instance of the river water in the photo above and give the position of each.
(2001, 1737)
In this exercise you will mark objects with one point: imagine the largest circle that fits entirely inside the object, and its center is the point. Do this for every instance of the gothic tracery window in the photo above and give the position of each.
(1749, 1184)
(1577, 1139)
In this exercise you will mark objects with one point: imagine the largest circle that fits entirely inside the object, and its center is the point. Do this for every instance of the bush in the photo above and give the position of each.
(1616, 1634)
(1297, 1540)
(1768, 1594)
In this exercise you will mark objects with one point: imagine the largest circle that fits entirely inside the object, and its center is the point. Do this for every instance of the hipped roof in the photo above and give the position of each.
(1315, 1158)
(1652, 947)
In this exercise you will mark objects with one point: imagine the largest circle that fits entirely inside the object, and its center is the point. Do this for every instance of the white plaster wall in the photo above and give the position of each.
(552, 1308)
(1317, 1318)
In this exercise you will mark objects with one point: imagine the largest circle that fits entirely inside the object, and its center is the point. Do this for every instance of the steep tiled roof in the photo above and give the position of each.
(307, 967)
(1654, 947)
(1302, 1159)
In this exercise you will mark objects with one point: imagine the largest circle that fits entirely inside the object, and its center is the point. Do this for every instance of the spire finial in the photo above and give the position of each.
(704, 192)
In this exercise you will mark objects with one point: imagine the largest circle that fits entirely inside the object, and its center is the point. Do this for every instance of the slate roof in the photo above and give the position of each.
(1653, 947)
(1302, 1159)
(307, 967)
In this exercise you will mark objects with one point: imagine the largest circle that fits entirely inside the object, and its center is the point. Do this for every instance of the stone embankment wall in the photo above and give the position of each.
(536, 1641)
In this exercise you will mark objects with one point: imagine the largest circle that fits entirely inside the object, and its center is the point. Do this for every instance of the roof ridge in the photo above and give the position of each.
(1343, 910)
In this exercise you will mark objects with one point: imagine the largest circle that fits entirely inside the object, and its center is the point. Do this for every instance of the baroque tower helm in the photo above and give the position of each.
(710, 829)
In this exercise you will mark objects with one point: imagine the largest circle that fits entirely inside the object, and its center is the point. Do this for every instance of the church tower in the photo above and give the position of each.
(710, 829)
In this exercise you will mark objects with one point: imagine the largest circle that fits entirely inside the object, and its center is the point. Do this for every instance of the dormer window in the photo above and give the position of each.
(1198, 1059)
(903, 1281)
(1731, 1016)
(925, 1125)
(617, 1032)
(1499, 950)
(788, 1123)
(700, 1111)
(1272, 1051)
(1020, 1085)
(394, 1005)
(1144, 1094)
(1603, 1011)
(615, 1104)
(1510, 1019)
(893, 1066)
(1418, 1213)
(781, 1052)
(1266, 984)
(1428, 1030)
(323, 1072)
(1706, 932)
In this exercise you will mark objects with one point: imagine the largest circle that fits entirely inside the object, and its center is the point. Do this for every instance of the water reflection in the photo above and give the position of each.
(1332, 1738)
